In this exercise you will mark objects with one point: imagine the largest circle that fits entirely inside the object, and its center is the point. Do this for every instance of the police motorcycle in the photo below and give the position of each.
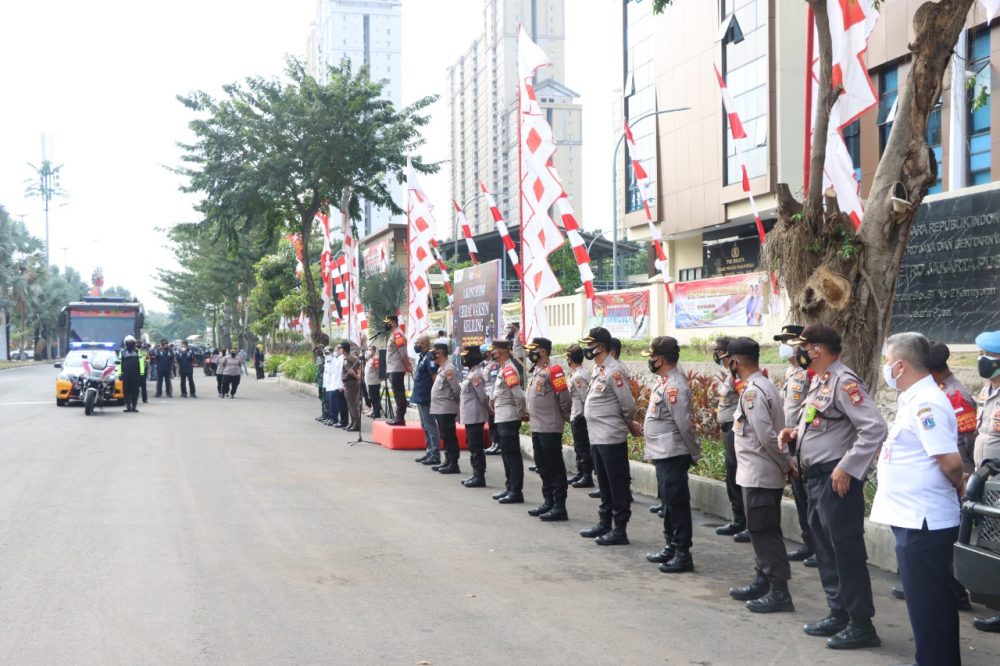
(95, 384)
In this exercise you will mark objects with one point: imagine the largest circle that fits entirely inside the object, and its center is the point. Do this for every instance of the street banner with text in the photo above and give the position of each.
(734, 300)
(476, 308)
(625, 314)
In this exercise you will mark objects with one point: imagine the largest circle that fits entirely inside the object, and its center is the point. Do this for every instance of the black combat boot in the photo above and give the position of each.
(450, 467)
(742, 536)
(680, 563)
(477, 480)
(802, 552)
(730, 529)
(616, 537)
(422, 458)
(500, 495)
(585, 481)
(755, 590)
(594, 493)
(859, 633)
(778, 600)
(556, 513)
(544, 508)
(991, 624)
(830, 625)
(570, 480)
(662, 556)
(602, 527)
(512, 497)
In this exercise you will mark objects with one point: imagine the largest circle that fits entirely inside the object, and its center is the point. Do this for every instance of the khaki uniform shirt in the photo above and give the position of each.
(759, 417)
(579, 384)
(667, 427)
(508, 396)
(474, 403)
(796, 389)
(351, 371)
(396, 359)
(490, 372)
(371, 371)
(446, 391)
(548, 404)
(840, 421)
(728, 397)
(988, 439)
(610, 406)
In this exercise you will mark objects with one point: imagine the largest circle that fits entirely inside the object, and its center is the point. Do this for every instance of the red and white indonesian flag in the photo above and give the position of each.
(642, 180)
(420, 234)
(851, 22)
(325, 266)
(470, 243)
(540, 190)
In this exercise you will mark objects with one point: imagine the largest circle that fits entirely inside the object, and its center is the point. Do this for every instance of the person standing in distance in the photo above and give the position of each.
(609, 409)
(490, 371)
(961, 400)
(549, 404)
(185, 369)
(258, 360)
(508, 406)
(729, 395)
(444, 406)
(351, 373)
(231, 372)
(164, 369)
(372, 382)
(329, 382)
(920, 481)
(131, 368)
(838, 434)
(673, 447)
(579, 384)
(762, 467)
(474, 412)
(397, 365)
(423, 382)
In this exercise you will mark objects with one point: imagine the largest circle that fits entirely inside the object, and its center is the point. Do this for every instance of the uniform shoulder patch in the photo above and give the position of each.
(398, 339)
(510, 376)
(619, 378)
(927, 423)
(854, 392)
(672, 394)
(449, 374)
(558, 378)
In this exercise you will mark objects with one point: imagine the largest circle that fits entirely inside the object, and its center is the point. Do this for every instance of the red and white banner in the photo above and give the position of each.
(540, 190)
(508, 243)
(325, 267)
(377, 257)
(467, 232)
(420, 225)
(642, 180)
(572, 227)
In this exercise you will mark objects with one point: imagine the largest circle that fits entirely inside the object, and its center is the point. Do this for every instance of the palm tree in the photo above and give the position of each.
(21, 266)
(383, 293)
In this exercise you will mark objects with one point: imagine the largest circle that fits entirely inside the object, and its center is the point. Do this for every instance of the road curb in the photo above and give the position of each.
(707, 495)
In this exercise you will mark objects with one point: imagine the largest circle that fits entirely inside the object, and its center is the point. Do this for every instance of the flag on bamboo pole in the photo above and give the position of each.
(508, 243)
(325, 258)
(564, 209)
(662, 262)
(540, 189)
(467, 232)
(420, 225)
(296, 241)
(446, 281)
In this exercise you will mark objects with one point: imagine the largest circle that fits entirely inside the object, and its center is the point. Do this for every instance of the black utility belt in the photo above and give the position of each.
(822, 469)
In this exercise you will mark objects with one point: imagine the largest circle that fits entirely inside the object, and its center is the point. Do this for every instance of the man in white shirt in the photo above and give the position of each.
(920, 480)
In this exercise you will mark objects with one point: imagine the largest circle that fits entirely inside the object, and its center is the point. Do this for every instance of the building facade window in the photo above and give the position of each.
(888, 88)
(640, 100)
(979, 108)
(745, 67)
(934, 141)
(852, 138)
(688, 274)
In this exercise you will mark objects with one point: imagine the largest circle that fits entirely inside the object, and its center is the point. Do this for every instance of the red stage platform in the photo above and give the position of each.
(409, 437)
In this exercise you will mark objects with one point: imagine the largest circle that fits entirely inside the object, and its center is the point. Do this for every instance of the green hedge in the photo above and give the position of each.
(272, 362)
(300, 367)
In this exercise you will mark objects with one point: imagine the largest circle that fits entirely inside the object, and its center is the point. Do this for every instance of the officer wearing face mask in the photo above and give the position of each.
(397, 365)
(609, 409)
(988, 437)
(474, 412)
(796, 387)
(728, 391)
(508, 406)
(131, 366)
(838, 434)
(549, 403)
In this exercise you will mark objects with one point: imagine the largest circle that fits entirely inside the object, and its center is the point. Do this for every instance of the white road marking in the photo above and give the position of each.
(39, 402)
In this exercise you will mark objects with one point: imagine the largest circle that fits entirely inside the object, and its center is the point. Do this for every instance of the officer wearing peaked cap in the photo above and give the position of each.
(474, 413)
(397, 364)
(838, 434)
(509, 410)
(549, 404)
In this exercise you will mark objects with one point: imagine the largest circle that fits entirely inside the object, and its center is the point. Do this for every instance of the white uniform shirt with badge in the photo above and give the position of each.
(911, 486)
(579, 385)
(667, 426)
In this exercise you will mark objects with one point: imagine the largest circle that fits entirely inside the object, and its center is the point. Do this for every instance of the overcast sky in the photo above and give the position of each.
(99, 79)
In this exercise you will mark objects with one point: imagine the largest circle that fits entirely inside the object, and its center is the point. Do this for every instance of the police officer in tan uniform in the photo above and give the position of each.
(445, 394)
(960, 398)
(794, 394)
(728, 393)
(609, 409)
(579, 385)
(988, 421)
(549, 404)
(508, 406)
(673, 447)
(837, 437)
(397, 365)
(351, 376)
(474, 412)
(761, 472)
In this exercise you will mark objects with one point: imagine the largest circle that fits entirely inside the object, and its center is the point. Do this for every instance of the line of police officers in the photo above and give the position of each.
(821, 434)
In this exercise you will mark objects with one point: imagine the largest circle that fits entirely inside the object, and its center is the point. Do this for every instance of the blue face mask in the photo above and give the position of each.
(416, 349)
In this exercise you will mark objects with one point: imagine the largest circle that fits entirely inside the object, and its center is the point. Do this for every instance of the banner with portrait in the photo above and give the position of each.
(476, 308)
(624, 313)
(734, 300)
(377, 257)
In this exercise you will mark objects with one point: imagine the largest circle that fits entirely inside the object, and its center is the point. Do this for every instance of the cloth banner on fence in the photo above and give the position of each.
(734, 300)
(377, 258)
(624, 314)
(476, 310)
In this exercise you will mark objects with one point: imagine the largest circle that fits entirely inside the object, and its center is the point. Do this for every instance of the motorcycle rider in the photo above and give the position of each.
(131, 367)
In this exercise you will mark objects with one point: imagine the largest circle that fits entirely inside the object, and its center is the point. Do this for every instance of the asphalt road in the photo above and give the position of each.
(242, 532)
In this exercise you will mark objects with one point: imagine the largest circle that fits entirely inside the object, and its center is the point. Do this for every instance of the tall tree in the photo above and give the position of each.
(272, 152)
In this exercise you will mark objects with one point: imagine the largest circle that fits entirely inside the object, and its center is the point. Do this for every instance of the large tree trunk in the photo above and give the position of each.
(832, 274)
(314, 303)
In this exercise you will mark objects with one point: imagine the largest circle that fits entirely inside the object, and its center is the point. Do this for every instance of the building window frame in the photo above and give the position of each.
(978, 166)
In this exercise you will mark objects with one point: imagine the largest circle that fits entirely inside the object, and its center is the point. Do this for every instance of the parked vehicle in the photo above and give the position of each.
(977, 552)
(72, 367)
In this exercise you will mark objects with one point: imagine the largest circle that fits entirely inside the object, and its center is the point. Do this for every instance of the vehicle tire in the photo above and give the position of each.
(89, 400)
(60, 402)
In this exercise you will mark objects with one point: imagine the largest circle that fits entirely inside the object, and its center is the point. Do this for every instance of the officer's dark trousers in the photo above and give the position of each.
(398, 393)
(763, 506)
(474, 439)
(229, 385)
(373, 400)
(219, 382)
(510, 452)
(801, 507)
(837, 526)
(733, 489)
(672, 487)
(581, 445)
(130, 386)
(493, 432)
(449, 436)
(160, 379)
(339, 407)
(924, 558)
(260, 371)
(324, 404)
(187, 383)
(142, 387)
(611, 467)
(551, 466)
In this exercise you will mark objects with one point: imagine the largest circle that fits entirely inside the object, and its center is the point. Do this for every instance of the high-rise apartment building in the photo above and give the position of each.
(365, 33)
(482, 102)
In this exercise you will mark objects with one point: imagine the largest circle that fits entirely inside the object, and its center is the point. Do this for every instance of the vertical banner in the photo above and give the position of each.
(735, 300)
(476, 309)
(624, 314)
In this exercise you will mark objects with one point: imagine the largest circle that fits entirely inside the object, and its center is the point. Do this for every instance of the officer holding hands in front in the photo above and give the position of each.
(509, 410)
(474, 413)
(549, 404)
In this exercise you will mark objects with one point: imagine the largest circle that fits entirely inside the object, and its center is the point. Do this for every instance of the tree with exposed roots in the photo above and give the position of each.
(831, 273)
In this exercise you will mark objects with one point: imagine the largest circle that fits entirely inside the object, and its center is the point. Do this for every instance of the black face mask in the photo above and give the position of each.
(130, 345)
(534, 356)
(716, 357)
(232, 354)
(590, 353)
(988, 366)
(653, 366)
(803, 358)
(387, 327)
(732, 369)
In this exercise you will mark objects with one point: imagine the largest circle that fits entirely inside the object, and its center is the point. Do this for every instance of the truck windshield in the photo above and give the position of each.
(101, 328)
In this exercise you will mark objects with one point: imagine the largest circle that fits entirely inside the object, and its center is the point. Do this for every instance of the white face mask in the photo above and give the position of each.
(785, 352)
(890, 379)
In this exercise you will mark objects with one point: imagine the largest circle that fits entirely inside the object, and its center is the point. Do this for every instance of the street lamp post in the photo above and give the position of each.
(614, 190)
